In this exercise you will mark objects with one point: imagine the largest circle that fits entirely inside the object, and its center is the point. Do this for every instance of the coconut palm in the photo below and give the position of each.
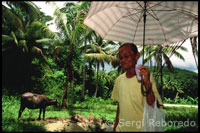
(23, 33)
(100, 53)
(88, 40)
(153, 52)
(157, 52)
(193, 42)
(69, 23)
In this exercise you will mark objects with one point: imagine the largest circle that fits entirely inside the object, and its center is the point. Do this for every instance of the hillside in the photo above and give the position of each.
(181, 83)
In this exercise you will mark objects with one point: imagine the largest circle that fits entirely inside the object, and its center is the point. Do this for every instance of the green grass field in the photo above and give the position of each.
(99, 108)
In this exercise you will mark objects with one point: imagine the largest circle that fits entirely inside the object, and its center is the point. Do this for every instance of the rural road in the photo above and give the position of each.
(66, 125)
(179, 105)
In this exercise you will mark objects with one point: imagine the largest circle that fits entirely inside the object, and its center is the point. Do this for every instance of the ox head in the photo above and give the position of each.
(55, 102)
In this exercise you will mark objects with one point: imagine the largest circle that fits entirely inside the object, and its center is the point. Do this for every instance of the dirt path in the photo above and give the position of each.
(179, 105)
(81, 124)
(57, 125)
(68, 125)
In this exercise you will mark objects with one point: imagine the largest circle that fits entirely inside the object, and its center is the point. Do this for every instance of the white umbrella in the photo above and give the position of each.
(164, 22)
(144, 22)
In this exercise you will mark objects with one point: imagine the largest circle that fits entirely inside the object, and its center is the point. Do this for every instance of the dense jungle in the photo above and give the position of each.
(70, 65)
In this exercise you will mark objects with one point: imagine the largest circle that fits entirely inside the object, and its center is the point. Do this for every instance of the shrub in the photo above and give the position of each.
(180, 83)
(189, 100)
(178, 118)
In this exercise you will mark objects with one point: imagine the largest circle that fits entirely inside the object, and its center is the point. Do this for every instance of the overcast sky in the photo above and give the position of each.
(188, 64)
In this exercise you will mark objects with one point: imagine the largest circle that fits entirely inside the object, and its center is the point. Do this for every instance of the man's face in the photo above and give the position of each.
(127, 57)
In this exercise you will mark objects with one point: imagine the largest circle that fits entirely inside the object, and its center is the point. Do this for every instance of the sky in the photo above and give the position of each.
(188, 64)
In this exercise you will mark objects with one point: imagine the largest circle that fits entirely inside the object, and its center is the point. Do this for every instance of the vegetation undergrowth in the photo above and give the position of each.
(70, 65)
(177, 118)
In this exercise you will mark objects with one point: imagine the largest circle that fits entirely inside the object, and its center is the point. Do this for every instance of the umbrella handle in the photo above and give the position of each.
(144, 93)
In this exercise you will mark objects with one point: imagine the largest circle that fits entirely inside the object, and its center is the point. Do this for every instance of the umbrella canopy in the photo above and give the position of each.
(144, 22)
(166, 22)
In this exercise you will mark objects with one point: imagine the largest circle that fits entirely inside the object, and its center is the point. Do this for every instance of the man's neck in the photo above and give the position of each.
(130, 73)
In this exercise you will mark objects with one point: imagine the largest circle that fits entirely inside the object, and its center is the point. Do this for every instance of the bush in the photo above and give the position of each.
(189, 100)
(181, 83)
(179, 118)
(93, 102)
(48, 81)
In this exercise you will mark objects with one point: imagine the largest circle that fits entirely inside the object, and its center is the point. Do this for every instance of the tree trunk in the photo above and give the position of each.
(84, 77)
(84, 71)
(72, 82)
(161, 74)
(97, 80)
(64, 102)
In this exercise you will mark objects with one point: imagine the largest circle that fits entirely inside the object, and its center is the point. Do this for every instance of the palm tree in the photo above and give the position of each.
(158, 51)
(193, 42)
(166, 51)
(100, 52)
(21, 28)
(88, 39)
(69, 23)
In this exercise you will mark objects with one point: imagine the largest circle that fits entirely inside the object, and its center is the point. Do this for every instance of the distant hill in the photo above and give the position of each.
(177, 70)
(180, 83)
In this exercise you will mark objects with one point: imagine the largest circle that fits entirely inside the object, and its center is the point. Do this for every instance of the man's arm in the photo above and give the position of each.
(148, 85)
(116, 119)
(150, 97)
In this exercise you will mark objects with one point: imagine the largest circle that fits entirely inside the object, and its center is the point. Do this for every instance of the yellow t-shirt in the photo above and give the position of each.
(127, 92)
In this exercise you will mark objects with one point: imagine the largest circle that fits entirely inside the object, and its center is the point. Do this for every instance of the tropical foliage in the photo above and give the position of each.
(22, 35)
(100, 108)
(179, 84)
(70, 64)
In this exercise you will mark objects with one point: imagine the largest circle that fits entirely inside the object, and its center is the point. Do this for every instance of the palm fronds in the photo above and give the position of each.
(26, 7)
(11, 19)
(193, 42)
(37, 30)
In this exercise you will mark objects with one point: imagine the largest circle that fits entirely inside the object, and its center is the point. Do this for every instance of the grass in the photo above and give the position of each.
(10, 109)
(184, 101)
(99, 108)
(13, 125)
(181, 119)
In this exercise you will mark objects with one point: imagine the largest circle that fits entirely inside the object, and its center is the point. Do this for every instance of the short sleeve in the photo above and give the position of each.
(115, 92)
(155, 91)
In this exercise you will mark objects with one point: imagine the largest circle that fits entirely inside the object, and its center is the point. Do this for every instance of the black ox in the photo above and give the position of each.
(35, 101)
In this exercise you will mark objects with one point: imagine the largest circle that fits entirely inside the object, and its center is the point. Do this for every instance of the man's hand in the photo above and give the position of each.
(148, 85)
(145, 71)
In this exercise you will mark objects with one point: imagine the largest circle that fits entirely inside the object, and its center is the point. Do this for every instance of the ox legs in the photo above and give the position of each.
(40, 114)
(42, 109)
(20, 112)
(43, 113)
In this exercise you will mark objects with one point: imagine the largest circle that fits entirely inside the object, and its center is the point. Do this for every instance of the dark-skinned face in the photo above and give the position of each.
(127, 57)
